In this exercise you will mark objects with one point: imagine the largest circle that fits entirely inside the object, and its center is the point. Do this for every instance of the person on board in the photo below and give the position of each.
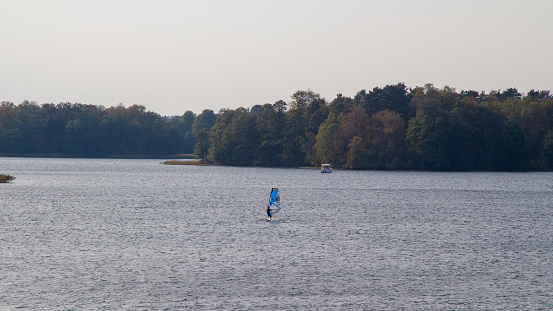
(268, 212)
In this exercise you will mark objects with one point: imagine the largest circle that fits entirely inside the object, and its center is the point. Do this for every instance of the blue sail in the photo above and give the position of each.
(274, 200)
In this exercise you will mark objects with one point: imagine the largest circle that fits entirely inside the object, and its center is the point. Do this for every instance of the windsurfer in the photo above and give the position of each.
(268, 212)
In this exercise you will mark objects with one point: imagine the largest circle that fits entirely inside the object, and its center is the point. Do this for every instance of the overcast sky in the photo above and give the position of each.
(174, 56)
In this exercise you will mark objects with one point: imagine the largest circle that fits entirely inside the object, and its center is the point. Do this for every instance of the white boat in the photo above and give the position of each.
(325, 168)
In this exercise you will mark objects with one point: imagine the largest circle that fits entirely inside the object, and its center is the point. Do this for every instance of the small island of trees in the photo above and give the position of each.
(6, 178)
(388, 128)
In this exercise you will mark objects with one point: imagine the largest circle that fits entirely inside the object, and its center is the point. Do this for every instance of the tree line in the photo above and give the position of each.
(79, 130)
(391, 127)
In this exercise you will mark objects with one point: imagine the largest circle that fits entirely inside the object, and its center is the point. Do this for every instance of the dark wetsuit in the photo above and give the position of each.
(268, 212)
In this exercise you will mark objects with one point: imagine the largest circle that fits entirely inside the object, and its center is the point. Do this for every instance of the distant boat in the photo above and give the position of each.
(325, 168)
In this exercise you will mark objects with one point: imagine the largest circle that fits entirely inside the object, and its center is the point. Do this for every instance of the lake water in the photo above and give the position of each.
(137, 235)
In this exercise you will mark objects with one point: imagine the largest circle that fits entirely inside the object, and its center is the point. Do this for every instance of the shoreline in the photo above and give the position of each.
(113, 156)
(188, 159)
(189, 162)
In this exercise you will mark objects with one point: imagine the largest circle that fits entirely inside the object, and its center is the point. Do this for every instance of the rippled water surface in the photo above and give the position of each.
(137, 235)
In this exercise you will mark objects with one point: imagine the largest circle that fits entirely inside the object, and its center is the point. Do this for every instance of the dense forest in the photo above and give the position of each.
(79, 130)
(393, 127)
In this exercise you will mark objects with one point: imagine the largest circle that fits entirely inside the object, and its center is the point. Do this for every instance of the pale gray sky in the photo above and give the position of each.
(173, 56)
